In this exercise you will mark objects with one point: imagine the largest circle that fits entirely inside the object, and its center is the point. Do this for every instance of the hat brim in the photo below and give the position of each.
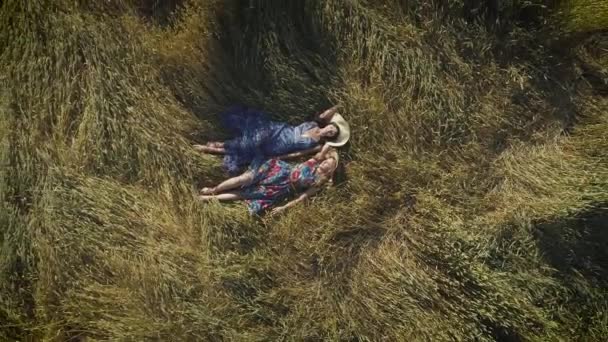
(344, 131)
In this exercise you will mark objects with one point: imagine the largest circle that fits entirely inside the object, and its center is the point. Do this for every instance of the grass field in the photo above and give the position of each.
(474, 205)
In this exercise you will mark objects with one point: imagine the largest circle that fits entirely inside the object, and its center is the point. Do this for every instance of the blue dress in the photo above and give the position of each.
(258, 136)
(274, 180)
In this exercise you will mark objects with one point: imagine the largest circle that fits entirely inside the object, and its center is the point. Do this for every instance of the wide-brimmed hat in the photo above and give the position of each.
(343, 131)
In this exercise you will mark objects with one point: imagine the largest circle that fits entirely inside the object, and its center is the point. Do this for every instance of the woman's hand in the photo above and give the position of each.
(328, 114)
(321, 155)
(277, 210)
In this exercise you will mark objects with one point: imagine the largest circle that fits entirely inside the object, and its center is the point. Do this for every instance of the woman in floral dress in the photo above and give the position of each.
(268, 182)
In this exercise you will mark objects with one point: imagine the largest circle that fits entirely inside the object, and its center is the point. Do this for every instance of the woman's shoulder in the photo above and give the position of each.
(308, 164)
(312, 162)
(309, 124)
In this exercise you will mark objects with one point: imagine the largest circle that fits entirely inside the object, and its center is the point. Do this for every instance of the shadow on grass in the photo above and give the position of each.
(158, 12)
(576, 248)
(526, 39)
(578, 245)
(269, 56)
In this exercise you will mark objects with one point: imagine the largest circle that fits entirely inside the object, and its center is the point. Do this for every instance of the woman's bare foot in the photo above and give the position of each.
(215, 144)
(207, 191)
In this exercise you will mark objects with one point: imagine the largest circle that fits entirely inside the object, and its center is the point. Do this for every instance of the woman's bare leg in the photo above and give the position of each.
(210, 149)
(230, 183)
(229, 196)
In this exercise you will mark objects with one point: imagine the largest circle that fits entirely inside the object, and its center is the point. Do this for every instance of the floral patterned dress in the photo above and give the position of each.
(274, 180)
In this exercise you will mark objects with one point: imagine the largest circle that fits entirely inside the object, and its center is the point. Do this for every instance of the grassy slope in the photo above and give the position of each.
(473, 208)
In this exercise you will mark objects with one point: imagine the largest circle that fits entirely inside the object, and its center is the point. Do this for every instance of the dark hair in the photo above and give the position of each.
(339, 175)
(337, 131)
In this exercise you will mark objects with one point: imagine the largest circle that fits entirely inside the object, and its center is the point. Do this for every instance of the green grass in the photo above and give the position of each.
(583, 15)
(477, 178)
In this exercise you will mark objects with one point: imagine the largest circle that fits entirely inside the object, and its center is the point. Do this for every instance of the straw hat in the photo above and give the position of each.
(343, 131)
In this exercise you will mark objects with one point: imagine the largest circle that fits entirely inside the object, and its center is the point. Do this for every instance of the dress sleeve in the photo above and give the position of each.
(309, 125)
(312, 162)
(303, 143)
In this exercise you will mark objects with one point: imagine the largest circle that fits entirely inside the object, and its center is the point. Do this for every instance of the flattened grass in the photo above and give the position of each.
(474, 205)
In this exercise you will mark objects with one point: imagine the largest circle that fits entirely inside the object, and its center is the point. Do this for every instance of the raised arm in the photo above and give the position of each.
(322, 153)
(326, 116)
(305, 195)
(300, 153)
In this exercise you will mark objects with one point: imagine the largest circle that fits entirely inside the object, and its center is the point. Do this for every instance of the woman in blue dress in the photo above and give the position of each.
(268, 182)
(258, 136)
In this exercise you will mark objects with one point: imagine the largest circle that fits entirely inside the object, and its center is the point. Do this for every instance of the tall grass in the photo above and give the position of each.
(583, 15)
(474, 206)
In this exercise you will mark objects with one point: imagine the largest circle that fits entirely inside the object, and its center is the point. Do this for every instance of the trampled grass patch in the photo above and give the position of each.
(474, 204)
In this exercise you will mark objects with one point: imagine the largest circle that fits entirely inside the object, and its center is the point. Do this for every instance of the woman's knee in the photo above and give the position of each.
(246, 177)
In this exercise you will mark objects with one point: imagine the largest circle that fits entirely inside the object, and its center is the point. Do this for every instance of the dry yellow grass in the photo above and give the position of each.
(474, 205)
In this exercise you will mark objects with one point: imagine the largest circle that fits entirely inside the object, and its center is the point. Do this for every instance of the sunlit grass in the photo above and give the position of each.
(474, 205)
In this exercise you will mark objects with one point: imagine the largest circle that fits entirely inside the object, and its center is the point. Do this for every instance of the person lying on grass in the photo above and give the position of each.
(268, 182)
(258, 135)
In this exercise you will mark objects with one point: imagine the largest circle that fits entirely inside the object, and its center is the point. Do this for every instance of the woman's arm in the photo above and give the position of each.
(300, 153)
(326, 116)
(321, 155)
(308, 193)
